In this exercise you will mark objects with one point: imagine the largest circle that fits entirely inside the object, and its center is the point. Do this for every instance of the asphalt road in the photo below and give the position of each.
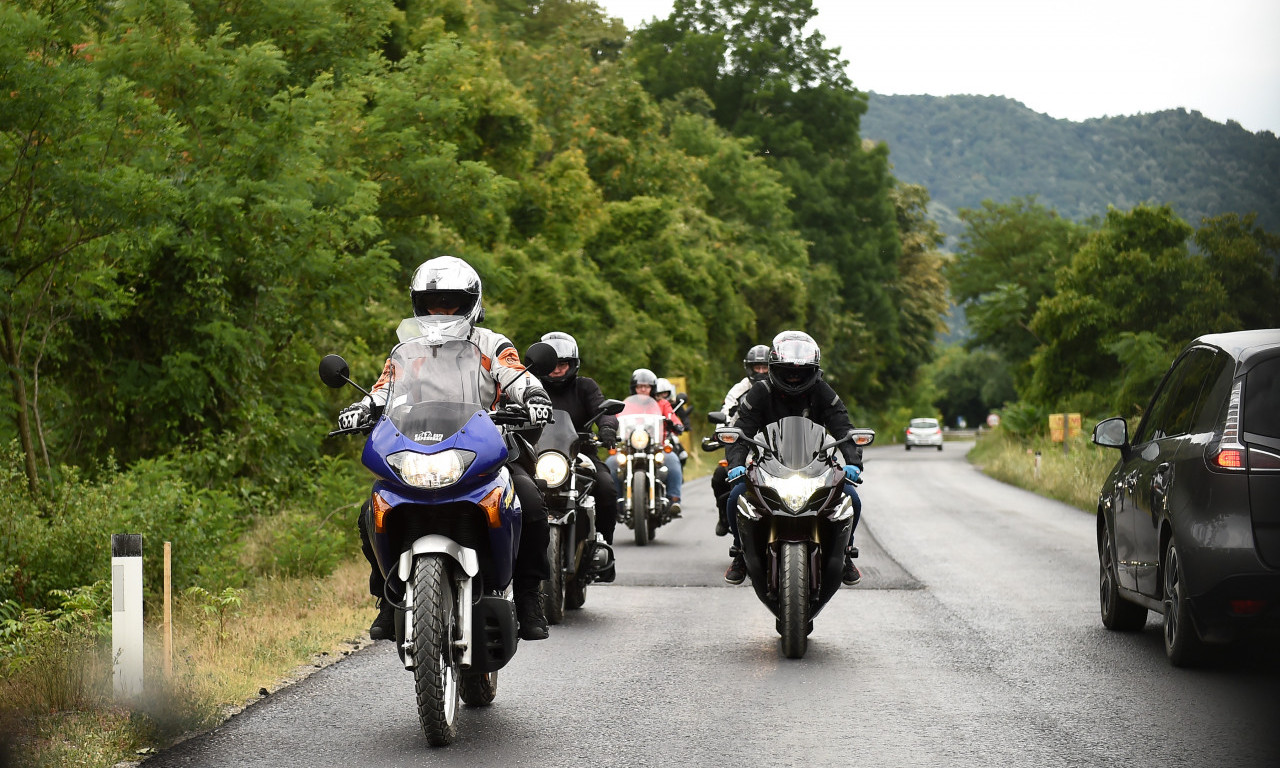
(973, 640)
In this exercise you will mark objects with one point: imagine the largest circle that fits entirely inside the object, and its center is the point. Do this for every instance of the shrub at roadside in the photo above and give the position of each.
(1074, 478)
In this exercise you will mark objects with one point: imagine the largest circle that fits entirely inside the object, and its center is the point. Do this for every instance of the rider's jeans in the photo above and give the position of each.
(736, 490)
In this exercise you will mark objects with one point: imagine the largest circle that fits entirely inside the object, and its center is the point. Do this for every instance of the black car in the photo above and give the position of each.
(1189, 518)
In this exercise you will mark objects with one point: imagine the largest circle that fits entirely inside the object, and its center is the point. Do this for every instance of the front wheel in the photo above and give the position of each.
(793, 598)
(640, 507)
(1181, 643)
(553, 588)
(1117, 613)
(435, 664)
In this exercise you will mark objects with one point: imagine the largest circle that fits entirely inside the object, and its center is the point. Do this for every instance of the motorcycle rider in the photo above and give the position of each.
(665, 390)
(644, 382)
(447, 304)
(794, 387)
(581, 397)
(756, 363)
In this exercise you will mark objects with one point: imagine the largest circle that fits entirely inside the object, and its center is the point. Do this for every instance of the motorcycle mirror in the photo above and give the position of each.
(717, 417)
(612, 407)
(540, 358)
(334, 371)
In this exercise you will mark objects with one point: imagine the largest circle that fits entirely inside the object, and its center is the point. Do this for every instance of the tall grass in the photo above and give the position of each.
(56, 686)
(1074, 477)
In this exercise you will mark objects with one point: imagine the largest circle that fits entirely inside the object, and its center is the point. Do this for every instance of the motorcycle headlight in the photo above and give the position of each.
(639, 439)
(795, 491)
(553, 468)
(431, 470)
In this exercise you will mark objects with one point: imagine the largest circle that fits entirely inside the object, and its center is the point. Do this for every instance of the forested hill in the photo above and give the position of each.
(965, 149)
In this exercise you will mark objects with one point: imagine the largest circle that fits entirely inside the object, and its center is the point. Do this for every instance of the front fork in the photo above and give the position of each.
(466, 564)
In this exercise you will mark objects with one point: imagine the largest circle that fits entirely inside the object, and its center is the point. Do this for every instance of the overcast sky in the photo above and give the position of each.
(1072, 60)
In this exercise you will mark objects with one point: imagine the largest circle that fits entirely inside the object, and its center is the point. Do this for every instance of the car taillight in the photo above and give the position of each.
(908, 430)
(1228, 452)
(1230, 459)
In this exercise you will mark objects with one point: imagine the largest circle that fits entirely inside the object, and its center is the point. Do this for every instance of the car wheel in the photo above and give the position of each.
(1181, 643)
(908, 447)
(939, 446)
(1117, 613)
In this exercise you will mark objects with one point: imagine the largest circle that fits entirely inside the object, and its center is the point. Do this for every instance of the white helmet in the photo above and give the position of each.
(446, 296)
(665, 385)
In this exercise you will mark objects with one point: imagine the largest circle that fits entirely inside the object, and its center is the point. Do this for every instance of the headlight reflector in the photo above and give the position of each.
(639, 439)
(431, 470)
(553, 468)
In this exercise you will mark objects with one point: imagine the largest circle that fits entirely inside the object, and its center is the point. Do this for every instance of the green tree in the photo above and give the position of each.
(773, 82)
(1007, 261)
(1134, 275)
(1244, 258)
(85, 163)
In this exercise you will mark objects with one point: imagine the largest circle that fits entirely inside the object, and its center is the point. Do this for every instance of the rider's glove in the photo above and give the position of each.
(539, 409)
(736, 474)
(608, 437)
(677, 428)
(852, 473)
(355, 416)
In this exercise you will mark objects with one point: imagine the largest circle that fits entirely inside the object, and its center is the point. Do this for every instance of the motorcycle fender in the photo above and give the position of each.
(468, 561)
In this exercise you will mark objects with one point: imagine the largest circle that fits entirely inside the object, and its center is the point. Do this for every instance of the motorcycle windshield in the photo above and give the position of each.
(640, 413)
(559, 436)
(435, 388)
(795, 442)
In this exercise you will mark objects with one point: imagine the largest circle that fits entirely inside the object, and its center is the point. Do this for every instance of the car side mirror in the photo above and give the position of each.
(1111, 433)
(540, 358)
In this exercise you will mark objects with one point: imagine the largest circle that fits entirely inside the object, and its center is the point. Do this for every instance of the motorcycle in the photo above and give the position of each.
(444, 520)
(641, 455)
(794, 521)
(576, 554)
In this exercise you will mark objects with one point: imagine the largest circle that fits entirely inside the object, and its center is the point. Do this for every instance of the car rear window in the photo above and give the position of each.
(924, 423)
(1262, 399)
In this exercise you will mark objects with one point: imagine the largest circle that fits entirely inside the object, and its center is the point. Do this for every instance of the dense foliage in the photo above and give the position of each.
(967, 149)
(198, 200)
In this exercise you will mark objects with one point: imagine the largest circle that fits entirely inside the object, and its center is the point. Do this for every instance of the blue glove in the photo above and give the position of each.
(737, 473)
(852, 473)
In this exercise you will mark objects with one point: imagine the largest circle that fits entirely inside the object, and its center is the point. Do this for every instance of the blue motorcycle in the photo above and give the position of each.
(445, 520)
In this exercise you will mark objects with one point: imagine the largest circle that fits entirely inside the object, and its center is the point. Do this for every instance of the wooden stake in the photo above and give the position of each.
(168, 609)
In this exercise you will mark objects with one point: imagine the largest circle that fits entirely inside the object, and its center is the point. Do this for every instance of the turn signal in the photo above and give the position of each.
(1231, 458)
(380, 509)
(492, 506)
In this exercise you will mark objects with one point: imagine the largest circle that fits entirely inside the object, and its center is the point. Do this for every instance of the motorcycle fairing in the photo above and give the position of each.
(477, 434)
(503, 541)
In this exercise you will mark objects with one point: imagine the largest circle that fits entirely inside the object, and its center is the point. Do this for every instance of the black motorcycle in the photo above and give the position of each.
(794, 521)
(577, 556)
(641, 456)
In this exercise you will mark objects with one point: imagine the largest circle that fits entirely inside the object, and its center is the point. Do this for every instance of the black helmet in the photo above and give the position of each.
(793, 362)
(566, 352)
(644, 376)
(757, 355)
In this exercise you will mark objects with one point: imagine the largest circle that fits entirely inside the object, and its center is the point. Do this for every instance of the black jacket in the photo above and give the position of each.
(762, 406)
(581, 398)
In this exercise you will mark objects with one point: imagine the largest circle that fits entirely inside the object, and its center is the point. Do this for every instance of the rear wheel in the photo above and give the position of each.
(1181, 643)
(435, 664)
(939, 446)
(793, 599)
(553, 588)
(640, 507)
(1117, 613)
(478, 689)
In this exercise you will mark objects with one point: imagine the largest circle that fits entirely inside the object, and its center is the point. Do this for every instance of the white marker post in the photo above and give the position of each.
(126, 614)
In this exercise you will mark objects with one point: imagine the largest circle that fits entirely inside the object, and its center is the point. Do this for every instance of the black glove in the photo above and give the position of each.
(677, 428)
(539, 406)
(608, 437)
(355, 416)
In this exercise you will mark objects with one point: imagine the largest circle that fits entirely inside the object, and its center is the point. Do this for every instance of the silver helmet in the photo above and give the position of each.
(446, 296)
